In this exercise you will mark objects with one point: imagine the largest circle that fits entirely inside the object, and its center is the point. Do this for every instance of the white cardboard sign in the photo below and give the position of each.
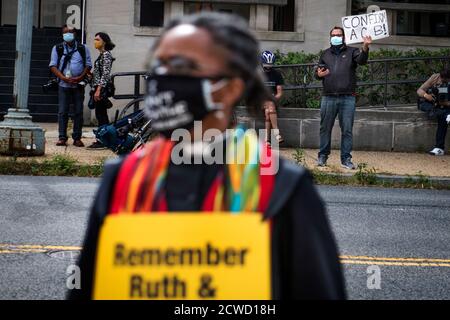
(372, 24)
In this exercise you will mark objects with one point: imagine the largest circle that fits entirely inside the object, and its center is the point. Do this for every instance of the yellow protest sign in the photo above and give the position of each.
(183, 256)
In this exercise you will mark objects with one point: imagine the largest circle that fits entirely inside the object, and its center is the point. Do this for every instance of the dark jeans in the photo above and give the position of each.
(101, 109)
(330, 108)
(101, 113)
(442, 127)
(441, 116)
(65, 97)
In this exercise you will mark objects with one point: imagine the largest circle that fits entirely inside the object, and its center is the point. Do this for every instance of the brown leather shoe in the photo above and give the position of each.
(61, 143)
(78, 143)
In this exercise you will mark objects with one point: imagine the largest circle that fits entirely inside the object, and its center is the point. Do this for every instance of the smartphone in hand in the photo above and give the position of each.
(322, 66)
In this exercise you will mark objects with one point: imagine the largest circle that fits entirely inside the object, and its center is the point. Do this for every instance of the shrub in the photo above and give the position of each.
(373, 94)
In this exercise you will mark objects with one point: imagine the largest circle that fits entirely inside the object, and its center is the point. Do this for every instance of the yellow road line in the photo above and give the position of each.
(22, 251)
(37, 247)
(399, 264)
(396, 259)
(344, 259)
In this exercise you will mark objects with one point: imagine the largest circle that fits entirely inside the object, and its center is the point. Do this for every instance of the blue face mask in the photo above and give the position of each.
(336, 41)
(68, 37)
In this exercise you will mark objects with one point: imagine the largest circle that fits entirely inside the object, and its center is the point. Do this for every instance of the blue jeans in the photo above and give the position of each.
(441, 128)
(441, 116)
(65, 97)
(330, 107)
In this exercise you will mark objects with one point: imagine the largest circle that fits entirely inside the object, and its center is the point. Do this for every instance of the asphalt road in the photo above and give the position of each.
(403, 234)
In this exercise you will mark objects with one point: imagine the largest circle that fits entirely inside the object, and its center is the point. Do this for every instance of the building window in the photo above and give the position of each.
(284, 17)
(242, 10)
(414, 17)
(151, 13)
(423, 24)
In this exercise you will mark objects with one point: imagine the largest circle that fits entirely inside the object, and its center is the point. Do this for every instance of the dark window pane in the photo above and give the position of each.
(242, 10)
(152, 13)
(423, 24)
(414, 22)
(283, 17)
(358, 2)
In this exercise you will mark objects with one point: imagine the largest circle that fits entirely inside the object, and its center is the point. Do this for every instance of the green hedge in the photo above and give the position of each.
(374, 71)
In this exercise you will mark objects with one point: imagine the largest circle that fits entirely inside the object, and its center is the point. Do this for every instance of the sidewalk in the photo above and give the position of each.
(83, 155)
(389, 163)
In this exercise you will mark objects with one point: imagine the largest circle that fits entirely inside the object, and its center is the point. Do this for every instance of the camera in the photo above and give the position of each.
(51, 85)
(83, 83)
(441, 94)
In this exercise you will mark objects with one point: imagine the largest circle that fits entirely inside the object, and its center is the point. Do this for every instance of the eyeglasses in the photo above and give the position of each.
(179, 65)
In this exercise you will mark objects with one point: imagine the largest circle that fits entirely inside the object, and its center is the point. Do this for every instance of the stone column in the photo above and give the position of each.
(18, 134)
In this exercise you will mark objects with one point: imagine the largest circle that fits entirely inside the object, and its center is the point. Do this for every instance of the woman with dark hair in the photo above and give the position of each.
(203, 66)
(101, 77)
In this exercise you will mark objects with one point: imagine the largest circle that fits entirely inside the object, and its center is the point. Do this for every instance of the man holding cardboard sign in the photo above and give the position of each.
(337, 69)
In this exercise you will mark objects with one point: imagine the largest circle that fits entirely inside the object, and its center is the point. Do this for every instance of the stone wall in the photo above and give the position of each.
(406, 130)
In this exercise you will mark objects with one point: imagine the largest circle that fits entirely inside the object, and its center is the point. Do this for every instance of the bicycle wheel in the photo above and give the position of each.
(144, 134)
(131, 107)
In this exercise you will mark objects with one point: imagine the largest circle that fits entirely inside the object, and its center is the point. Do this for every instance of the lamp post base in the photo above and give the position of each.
(19, 136)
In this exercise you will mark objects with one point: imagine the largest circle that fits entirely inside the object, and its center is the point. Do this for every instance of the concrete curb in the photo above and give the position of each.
(436, 181)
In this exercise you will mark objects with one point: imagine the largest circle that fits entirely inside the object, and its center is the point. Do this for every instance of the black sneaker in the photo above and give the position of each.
(322, 161)
(96, 146)
(348, 164)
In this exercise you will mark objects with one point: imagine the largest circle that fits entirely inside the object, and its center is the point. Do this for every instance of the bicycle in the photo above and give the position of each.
(129, 131)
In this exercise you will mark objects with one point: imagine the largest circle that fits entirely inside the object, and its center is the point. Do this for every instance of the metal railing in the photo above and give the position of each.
(137, 95)
(385, 82)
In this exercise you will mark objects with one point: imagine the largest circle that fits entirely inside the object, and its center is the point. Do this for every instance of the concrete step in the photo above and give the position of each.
(33, 98)
(8, 89)
(45, 32)
(45, 117)
(34, 81)
(49, 108)
(37, 117)
(9, 63)
(34, 72)
(35, 108)
(9, 38)
(36, 47)
(5, 54)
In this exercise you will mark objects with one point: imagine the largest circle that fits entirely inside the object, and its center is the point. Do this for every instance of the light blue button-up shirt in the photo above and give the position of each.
(75, 65)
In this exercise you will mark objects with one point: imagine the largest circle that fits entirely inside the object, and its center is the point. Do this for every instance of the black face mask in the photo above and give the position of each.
(175, 102)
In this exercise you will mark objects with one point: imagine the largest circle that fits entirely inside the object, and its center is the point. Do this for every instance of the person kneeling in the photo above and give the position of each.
(435, 100)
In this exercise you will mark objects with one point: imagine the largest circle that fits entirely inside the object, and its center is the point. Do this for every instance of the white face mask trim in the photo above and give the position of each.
(208, 89)
(219, 85)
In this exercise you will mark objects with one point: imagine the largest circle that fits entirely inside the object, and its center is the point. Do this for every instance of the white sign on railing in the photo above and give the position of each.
(374, 24)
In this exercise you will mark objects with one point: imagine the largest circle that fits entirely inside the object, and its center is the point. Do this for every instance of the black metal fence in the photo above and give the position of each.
(137, 94)
(383, 82)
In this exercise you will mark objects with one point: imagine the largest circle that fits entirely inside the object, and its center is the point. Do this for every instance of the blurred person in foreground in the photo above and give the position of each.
(202, 67)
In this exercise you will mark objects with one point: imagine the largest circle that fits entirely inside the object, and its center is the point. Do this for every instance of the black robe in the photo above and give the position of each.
(305, 263)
